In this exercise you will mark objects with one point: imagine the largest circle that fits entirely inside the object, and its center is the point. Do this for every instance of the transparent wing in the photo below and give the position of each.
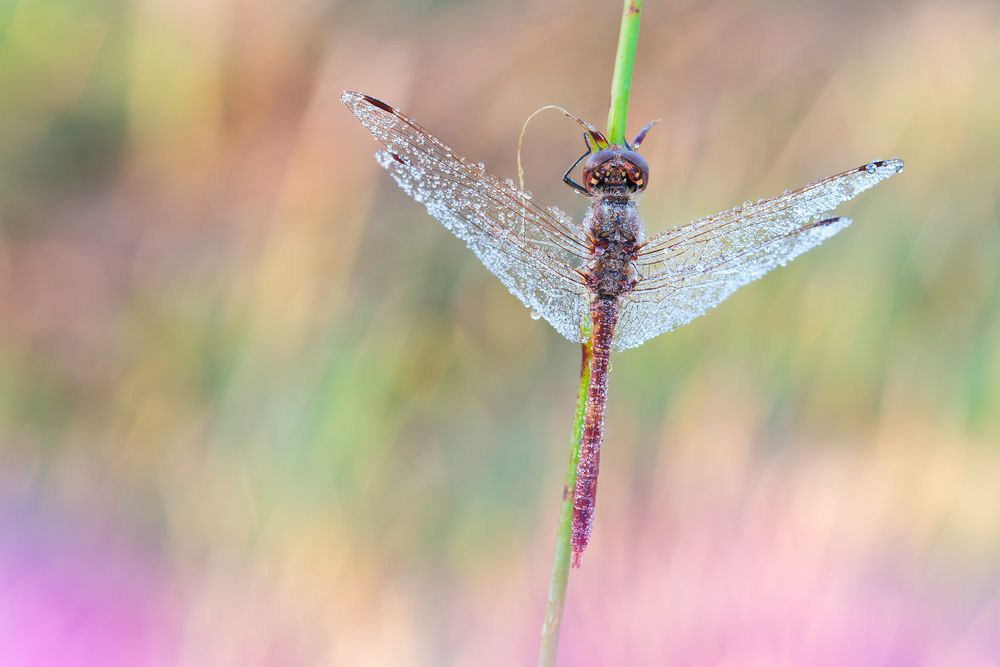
(532, 248)
(692, 268)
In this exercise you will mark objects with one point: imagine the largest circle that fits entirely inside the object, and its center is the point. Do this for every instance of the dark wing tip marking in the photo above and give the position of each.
(349, 96)
(379, 103)
(895, 163)
(830, 221)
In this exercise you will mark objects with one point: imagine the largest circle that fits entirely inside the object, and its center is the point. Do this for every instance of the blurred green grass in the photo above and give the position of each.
(229, 341)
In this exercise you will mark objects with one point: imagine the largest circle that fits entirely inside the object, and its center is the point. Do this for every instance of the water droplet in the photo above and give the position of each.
(747, 204)
(870, 168)
(535, 315)
(510, 182)
(481, 167)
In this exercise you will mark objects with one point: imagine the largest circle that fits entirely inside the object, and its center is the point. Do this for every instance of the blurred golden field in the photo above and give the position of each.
(257, 408)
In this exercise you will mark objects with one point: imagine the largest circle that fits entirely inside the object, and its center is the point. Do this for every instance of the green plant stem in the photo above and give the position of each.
(621, 82)
(560, 559)
(620, 85)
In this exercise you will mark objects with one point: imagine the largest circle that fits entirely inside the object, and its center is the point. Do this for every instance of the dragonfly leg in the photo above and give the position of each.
(642, 134)
(569, 181)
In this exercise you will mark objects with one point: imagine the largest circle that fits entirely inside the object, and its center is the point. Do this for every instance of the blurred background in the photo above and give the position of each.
(257, 408)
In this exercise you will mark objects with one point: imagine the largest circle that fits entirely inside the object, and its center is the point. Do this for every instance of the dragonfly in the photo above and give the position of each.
(602, 282)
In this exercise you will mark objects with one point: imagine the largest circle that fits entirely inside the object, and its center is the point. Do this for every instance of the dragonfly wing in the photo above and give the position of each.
(648, 312)
(534, 249)
(690, 269)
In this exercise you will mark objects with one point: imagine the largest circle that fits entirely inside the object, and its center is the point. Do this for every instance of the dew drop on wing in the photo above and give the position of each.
(871, 168)
(535, 315)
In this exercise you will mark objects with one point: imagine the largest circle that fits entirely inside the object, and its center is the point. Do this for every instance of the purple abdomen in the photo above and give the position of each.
(603, 315)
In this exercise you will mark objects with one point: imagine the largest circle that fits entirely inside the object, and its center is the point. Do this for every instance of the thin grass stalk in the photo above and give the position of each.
(560, 559)
(559, 578)
(621, 81)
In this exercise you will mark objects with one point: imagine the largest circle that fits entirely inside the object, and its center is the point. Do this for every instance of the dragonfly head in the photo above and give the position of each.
(615, 169)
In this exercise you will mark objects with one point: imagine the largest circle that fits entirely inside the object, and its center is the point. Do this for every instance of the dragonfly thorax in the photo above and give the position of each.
(613, 220)
(613, 225)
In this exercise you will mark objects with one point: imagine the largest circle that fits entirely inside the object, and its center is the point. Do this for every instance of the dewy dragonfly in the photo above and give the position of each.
(602, 281)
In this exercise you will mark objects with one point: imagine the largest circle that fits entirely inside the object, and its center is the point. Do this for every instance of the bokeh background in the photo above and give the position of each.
(256, 408)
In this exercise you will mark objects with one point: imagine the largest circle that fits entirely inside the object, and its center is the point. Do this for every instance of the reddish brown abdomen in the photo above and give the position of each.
(603, 315)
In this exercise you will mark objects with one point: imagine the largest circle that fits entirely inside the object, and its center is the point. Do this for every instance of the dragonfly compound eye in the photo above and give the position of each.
(598, 167)
(636, 169)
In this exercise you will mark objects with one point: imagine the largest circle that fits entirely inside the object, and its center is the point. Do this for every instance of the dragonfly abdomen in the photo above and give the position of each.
(603, 315)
